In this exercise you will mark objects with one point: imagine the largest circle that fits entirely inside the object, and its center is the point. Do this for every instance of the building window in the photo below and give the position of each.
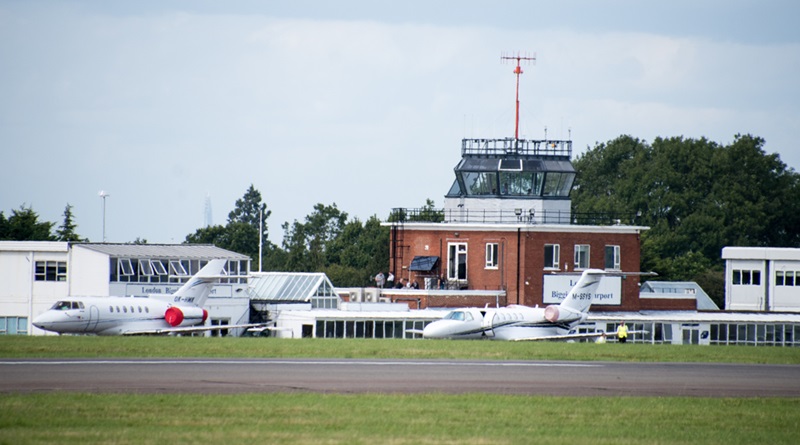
(145, 269)
(552, 256)
(612, 258)
(748, 277)
(51, 271)
(125, 267)
(457, 261)
(492, 250)
(158, 267)
(13, 325)
(782, 278)
(581, 256)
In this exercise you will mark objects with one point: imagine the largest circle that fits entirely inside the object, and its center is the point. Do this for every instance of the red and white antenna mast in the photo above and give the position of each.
(518, 71)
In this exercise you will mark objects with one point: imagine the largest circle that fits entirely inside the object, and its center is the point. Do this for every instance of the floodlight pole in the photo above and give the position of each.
(260, 236)
(517, 72)
(104, 195)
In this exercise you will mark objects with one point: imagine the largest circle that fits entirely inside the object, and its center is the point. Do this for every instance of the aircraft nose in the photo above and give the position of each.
(434, 330)
(44, 321)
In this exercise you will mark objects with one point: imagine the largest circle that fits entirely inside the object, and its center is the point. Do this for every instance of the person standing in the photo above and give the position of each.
(390, 281)
(622, 332)
(380, 280)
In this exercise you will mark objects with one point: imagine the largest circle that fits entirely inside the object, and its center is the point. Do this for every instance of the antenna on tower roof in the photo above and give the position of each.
(518, 70)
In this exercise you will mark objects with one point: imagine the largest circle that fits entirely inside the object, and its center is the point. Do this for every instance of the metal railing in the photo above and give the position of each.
(516, 216)
(500, 147)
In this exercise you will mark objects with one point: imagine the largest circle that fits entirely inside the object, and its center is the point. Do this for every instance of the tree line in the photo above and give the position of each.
(695, 195)
(348, 250)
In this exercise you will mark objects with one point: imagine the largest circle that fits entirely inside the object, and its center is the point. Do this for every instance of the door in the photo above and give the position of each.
(94, 317)
(691, 334)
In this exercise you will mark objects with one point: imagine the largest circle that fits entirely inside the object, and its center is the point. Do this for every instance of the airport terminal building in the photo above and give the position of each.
(36, 274)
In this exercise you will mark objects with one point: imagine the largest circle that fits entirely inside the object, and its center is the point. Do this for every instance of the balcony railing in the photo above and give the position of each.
(507, 146)
(516, 216)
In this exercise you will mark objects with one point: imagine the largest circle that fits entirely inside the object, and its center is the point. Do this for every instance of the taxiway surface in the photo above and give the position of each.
(215, 376)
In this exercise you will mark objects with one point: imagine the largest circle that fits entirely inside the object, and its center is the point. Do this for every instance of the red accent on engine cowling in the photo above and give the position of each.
(173, 316)
(551, 314)
(205, 315)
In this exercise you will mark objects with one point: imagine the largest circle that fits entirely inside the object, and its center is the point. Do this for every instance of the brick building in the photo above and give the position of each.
(507, 225)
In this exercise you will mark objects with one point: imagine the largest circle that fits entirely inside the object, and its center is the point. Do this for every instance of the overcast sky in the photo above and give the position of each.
(359, 103)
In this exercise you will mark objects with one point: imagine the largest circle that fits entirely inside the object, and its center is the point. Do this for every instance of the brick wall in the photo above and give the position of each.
(520, 270)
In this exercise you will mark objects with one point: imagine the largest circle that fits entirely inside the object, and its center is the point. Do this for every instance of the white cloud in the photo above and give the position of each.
(160, 109)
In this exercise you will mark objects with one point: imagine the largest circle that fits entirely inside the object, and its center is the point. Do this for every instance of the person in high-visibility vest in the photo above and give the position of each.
(622, 333)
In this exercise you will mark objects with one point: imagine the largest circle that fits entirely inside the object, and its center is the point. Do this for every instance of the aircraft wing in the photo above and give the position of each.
(414, 331)
(576, 336)
(190, 329)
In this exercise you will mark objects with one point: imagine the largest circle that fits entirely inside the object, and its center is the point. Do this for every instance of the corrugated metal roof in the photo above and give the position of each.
(166, 251)
(681, 289)
(289, 286)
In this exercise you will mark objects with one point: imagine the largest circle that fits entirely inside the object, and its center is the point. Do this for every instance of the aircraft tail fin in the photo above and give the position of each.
(578, 300)
(199, 287)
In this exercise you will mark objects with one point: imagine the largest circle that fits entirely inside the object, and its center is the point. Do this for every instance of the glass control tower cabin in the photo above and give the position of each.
(512, 180)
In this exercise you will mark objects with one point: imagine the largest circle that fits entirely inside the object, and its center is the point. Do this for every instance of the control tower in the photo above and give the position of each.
(507, 180)
(512, 179)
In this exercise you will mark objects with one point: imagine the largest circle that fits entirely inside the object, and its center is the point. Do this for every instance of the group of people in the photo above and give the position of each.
(388, 282)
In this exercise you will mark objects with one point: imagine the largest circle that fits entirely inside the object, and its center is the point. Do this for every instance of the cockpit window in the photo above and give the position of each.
(459, 316)
(455, 315)
(67, 305)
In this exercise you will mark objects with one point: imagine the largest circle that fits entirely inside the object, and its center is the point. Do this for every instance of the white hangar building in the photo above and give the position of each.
(36, 274)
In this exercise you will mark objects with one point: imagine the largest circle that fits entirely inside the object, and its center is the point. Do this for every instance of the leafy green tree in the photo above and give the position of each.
(696, 196)
(241, 233)
(24, 225)
(307, 243)
(4, 229)
(66, 231)
(249, 209)
(358, 252)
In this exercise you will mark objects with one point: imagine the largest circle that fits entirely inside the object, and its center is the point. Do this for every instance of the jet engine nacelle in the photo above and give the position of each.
(561, 314)
(185, 316)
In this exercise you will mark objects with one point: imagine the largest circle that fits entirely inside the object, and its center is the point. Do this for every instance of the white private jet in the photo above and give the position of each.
(523, 323)
(181, 312)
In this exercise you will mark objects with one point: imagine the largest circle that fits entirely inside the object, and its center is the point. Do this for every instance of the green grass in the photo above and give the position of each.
(397, 419)
(142, 347)
(79, 418)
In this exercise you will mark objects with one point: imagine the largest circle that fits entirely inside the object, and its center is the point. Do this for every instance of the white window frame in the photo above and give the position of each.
(456, 251)
(145, 267)
(176, 268)
(492, 255)
(556, 260)
(158, 267)
(617, 262)
(122, 270)
(582, 252)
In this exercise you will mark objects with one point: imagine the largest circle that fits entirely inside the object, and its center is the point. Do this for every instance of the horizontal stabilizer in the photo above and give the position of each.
(577, 336)
(190, 329)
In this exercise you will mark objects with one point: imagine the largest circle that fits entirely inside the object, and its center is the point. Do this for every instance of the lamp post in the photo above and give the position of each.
(104, 195)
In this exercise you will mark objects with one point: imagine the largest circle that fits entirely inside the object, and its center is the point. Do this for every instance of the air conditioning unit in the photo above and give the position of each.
(371, 295)
(356, 295)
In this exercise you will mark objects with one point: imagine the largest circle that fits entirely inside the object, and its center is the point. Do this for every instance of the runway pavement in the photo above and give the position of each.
(216, 376)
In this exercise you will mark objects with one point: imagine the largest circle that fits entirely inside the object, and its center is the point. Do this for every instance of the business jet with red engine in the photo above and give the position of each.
(181, 312)
(524, 323)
